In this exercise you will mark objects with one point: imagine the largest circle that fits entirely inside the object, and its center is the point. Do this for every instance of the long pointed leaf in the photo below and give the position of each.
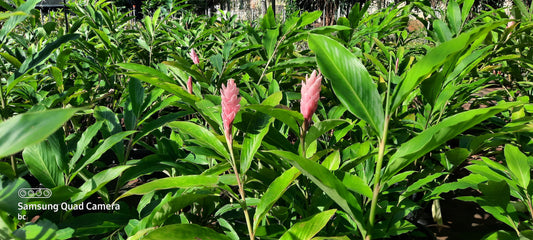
(518, 164)
(307, 229)
(107, 144)
(41, 162)
(273, 193)
(202, 135)
(435, 58)
(187, 181)
(27, 129)
(350, 80)
(184, 231)
(98, 181)
(328, 182)
(436, 135)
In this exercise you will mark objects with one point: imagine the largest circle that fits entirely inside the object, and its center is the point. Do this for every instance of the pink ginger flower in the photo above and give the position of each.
(189, 85)
(230, 107)
(310, 96)
(194, 57)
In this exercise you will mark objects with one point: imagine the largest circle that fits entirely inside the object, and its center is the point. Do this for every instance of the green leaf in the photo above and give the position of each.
(470, 181)
(98, 181)
(160, 80)
(356, 184)
(27, 129)
(500, 235)
(289, 117)
(270, 39)
(84, 141)
(13, 21)
(436, 58)
(4, 15)
(58, 78)
(308, 18)
(457, 156)
(136, 96)
(252, 140)
(9, 195)
(437, 135)
(523, 9)
(184, 231)
(319, 128)
(92, 223)
(14, 61)
(269, 19)
(173, 205)
(188, 181)
(42, 55)
(454, 16)
(332, 161)
(307, 229)
(467, 6)
(41, 162)
(273, 193)
(202, 135)
(107, 144)
(299, 62)
(230, 231)
(350, 80)
(419, 185)
(7, 170)
(43, 229)
(273, 99)
(442, 31)
(328, 182)
(517, 163)
(495, 199)
(218, 62)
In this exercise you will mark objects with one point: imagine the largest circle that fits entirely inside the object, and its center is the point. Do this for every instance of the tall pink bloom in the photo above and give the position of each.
(194, 57)
(230, 107)
(310, 96)
(189, 85)
(195, 60)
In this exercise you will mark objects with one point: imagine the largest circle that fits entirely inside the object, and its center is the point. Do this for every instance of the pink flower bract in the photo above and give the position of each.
(194, 57)
(310, 96)
(189, 85)
(230, 106)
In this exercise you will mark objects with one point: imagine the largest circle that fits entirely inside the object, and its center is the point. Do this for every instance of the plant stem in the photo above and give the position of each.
(241, 192)
(271, 57)
(377, 178)
(530, 208)
(13, 165)
(379, 164)
(302, 139)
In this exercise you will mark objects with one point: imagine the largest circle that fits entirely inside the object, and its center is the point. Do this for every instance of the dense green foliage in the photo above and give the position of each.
(99, 113)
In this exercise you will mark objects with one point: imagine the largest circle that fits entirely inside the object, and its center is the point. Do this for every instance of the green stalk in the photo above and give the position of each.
(272, 57)
(379, 163)
(377, 177)
(302, 138)
(241, 191)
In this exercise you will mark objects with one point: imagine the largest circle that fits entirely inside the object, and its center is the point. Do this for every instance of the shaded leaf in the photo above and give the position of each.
(437, 135)
(26, 129)
(184, 231)
(173, 182)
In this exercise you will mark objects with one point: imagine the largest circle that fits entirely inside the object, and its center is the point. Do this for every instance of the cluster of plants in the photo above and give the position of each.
(181, 126)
